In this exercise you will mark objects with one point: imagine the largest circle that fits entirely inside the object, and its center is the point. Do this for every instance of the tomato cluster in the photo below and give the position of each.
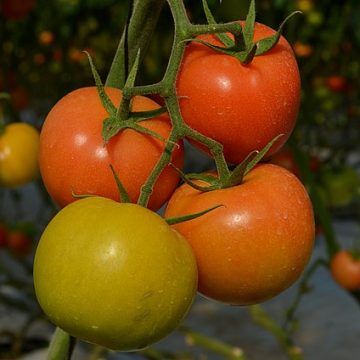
(117, 274)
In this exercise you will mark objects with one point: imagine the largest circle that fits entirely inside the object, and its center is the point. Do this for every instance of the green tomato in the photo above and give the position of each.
(341, 186)
(114, 274)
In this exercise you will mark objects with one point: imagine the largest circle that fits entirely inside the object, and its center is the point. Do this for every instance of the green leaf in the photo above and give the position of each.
(267, 44)
(124, 196)
(249, 25)
(4, 96)
(211, 20)
(105, 100)
(261, 154)
(179, 219)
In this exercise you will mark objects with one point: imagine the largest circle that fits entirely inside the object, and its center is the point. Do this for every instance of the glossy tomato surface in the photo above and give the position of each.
(254, 246)
(114, 274)
(345, 270)
(19, 147)
(75, 159)
(241, 106)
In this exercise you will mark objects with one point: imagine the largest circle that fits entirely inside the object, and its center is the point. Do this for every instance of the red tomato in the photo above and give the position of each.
(17, 9)
(74, 157)
(346, 270)
(286, 159)
(257, 244)
(3, 236)
(241, 106)
(18, 242)
(337, 83)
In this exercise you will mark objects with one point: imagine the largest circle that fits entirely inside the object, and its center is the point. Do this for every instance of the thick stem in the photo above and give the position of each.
(61, 346)
(144, 17)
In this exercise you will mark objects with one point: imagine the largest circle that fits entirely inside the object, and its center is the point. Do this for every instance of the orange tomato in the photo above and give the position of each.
(257, 244)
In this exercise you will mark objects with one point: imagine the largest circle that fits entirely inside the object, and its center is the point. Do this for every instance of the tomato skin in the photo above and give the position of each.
(19, 147)
(257, 244)
(74, 158)
(114, 274)
(346, 270)
(241, 106)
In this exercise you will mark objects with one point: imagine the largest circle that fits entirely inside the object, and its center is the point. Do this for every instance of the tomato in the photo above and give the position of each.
(241, 106)
(286, 159)
(3, 235)
(337, 83)
(114, 274)
(345, 270)
(74, 158)
(254, 246)
(341, 186)
(302, 50)
(17, 9)
(18, 242)
(46, 37)
(19, 145)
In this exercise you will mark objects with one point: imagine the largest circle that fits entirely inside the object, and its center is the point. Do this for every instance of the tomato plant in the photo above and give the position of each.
(114, 274)
(345, 269)
(19, 145)
(75, 159)
(341, 185)
(241, 106)
(257, 244)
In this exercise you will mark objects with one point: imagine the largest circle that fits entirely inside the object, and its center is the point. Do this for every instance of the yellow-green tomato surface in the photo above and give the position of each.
(114, 274)
(19, 147)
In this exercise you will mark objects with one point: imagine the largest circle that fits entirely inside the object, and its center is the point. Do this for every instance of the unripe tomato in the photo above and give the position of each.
(114, 274)
(241, 106)
(75, 159)
(345, 270)
(257, 244)
(19, 146)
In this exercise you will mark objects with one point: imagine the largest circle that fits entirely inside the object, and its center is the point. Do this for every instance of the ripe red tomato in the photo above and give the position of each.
(17, 9)
(74, 157)
(3, 235)
(257, 244)
(345, 270)
(241, 106)
(19, 242)
(337, 83)
(286, 159)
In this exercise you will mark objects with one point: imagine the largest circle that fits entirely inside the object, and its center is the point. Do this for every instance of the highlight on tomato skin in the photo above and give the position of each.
(74, 159)
(257, 244)
(242, 106)
(127, 279)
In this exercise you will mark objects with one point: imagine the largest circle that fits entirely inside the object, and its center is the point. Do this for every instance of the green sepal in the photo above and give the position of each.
(111, 126)
(179, 219)
(238, 173)
(249, 25)
(187, 180)
(261, 154)
(211, 179)
(82, 196)
(124, 196)
(246, 57)
(267, 44)
(146, 131)
(105, 100)
(211, 20)
(232, 50)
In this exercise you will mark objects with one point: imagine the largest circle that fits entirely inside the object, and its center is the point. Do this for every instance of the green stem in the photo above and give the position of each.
(264, 320)
(144, 17)
(61, 346)
(229, 352)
